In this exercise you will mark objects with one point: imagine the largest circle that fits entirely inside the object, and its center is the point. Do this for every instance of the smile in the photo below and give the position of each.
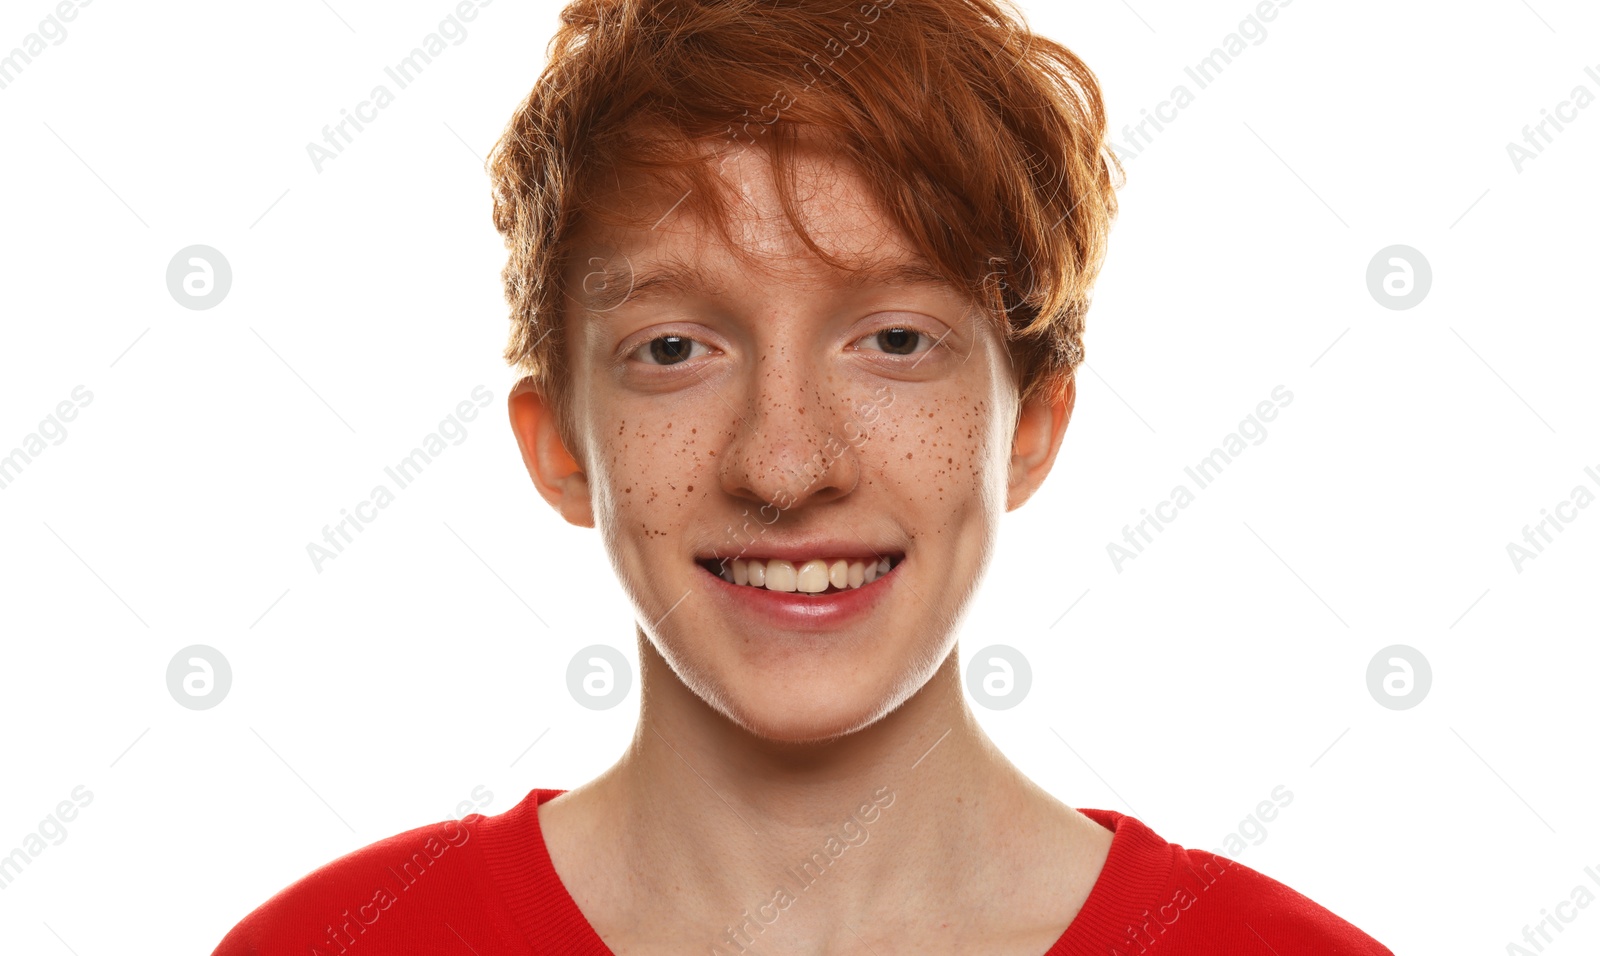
(815, 576)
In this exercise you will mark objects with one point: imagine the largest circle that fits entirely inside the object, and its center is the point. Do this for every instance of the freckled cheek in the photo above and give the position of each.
(942, 451)
(648, 477)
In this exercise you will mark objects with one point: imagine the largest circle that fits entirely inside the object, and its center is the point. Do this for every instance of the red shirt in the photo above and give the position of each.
(485, 885)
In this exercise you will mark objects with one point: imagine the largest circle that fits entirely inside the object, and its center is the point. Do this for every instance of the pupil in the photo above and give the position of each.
(669, 349)
(898, 341)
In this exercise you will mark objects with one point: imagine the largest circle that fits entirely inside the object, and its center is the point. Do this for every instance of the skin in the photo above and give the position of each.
(756, 745)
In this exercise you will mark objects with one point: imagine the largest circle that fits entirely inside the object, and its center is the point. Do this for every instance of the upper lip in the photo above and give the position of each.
(802, 551)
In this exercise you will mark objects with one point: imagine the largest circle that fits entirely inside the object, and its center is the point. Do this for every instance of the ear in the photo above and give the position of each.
(1041, 422)
(555, 473)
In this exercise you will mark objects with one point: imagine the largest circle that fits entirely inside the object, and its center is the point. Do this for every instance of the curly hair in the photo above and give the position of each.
(985, 143)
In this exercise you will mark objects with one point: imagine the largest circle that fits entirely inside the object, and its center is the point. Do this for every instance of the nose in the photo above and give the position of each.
(789, 445)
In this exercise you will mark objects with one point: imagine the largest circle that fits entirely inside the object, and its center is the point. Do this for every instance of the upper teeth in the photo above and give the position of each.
(812, 576)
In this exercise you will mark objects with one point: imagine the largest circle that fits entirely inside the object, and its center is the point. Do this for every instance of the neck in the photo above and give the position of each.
(919, 801)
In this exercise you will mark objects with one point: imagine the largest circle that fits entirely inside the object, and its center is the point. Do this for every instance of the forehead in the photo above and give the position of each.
(678, 253)
(612, 280)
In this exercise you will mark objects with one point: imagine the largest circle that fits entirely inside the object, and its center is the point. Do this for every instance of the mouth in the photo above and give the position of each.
(805, 578)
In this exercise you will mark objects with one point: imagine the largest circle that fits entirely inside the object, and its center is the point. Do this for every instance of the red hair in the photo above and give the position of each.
(983, 142)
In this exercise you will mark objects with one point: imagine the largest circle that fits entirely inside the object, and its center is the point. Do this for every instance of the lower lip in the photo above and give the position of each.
(794, 611)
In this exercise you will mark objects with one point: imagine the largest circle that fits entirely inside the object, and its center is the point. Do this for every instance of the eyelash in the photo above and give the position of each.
(924, 336)
(633, 352)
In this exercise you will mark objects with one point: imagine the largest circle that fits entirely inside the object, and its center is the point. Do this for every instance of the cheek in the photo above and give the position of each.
(941, 453)
(648, 471)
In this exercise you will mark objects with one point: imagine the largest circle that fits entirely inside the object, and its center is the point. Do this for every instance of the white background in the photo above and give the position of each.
(1227, 659)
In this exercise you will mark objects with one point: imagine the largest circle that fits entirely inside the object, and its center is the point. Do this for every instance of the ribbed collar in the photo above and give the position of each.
(1132, 883)
(519, 863)
(1137, 873)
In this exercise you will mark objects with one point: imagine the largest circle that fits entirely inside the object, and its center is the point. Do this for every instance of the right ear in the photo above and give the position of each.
(555, 473)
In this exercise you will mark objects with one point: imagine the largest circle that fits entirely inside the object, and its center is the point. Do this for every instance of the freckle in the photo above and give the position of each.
(908, 456)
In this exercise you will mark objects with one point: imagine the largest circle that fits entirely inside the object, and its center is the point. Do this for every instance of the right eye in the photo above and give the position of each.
(667, 350)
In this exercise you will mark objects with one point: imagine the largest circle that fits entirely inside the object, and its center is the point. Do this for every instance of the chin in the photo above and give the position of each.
(807, 710)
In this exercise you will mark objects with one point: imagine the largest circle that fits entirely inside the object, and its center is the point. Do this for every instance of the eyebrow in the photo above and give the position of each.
(683, 279)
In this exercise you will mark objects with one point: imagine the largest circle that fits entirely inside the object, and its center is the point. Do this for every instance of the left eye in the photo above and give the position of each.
(897, 340)
(667, 350)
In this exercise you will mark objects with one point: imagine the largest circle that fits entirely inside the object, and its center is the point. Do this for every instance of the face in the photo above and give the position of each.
(784, 420)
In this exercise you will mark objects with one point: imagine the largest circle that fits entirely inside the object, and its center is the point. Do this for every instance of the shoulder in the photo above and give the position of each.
(1200, 902)
(432, 868)
(1270, 912)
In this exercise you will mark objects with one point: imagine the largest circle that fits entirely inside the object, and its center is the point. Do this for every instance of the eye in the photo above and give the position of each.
(667, 350)
(897, 340)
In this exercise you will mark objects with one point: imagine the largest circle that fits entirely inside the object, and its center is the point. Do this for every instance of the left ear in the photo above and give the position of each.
(1041, 423)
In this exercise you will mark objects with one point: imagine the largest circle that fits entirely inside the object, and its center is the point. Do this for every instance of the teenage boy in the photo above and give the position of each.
(798, 289)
